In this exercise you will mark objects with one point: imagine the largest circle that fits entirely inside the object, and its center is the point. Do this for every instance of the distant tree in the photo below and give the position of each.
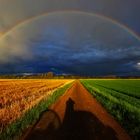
(50, 75)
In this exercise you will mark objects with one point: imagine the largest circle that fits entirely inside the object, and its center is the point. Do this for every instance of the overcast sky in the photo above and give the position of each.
(86, 37)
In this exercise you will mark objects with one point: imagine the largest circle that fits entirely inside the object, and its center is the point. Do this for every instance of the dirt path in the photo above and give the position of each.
(77, 116)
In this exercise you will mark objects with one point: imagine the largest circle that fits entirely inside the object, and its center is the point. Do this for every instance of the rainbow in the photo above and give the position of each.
(24, 22)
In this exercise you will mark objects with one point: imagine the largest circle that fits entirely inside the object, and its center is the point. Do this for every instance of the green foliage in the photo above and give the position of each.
(123, 107)
(128, 87)
(16, 128)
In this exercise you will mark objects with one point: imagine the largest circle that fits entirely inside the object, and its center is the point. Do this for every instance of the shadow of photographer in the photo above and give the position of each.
(76, 125)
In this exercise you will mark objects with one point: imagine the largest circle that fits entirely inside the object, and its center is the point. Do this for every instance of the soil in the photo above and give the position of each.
(77, 115)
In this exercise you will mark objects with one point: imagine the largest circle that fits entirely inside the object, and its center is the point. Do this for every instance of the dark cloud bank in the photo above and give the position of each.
(71, 43)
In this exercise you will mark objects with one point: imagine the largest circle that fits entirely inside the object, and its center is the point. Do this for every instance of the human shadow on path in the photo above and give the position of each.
(76, 125)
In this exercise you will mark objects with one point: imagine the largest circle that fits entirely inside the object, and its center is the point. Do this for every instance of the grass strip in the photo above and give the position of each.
(15, 129)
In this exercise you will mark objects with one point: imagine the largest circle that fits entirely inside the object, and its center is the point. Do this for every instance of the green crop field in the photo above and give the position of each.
(121, 98)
